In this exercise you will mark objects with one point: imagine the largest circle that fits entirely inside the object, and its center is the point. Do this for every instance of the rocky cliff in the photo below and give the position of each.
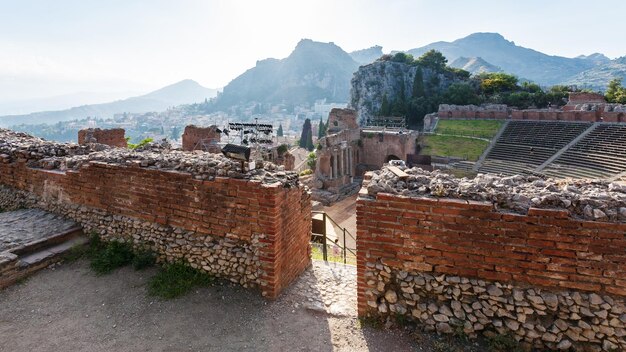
(393, 81)
(312, 71)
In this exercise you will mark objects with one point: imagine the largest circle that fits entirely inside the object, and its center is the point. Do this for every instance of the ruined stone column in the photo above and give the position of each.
(340, 162)
(350, 161)
(334, 166)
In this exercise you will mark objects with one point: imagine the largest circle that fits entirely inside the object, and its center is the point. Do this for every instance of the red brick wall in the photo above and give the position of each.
(544, 248)
(193, 135)
(224, 207)
(113, 137)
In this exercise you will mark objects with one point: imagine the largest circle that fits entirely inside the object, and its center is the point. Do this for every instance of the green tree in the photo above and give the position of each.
(175, 133)
(497, 82)
(461, 94)
(402, 57)
(385, 108)
(433, 60)
(311, 160)
(418, 84)
(615, 92)
(321, 131)
(306, 138)
(280, 132)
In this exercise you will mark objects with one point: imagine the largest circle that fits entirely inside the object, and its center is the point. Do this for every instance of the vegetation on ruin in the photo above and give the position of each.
(138, 145)
(454, 146)
(469, 128)
(282, 149)
(311, 160)
(503, 343)
(177, 279)
(106, 256)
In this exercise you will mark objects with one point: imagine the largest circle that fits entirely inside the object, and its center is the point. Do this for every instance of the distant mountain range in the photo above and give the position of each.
(317, 70)
(366, 56)
(312, 71)
(529, 64)
(474, 65)
(183, 92)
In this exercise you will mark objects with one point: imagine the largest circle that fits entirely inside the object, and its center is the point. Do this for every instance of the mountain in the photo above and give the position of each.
(523, 62)
(183, 92)
(595, 57)
(366, 56)
(312, 71)
(59, 102)
(597, 78)
(474, 65)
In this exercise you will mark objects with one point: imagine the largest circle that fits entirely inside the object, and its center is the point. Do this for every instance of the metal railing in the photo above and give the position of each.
(329, 250)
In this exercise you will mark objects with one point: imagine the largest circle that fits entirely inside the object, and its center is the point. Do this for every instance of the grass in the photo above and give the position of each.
(461, 147)
(370, 322)
(172, 280)
(317, 254)
(471, 128)
(105, 257)
(503, 343)
(177, 279)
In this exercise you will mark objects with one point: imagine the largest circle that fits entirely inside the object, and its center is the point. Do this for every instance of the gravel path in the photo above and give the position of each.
(68, 308)
(26, 225)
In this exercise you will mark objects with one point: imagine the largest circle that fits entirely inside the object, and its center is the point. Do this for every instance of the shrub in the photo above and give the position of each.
(143, 258)
(111, 256)
(177, 279)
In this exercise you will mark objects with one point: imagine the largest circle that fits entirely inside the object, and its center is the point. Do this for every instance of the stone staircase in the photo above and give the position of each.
(34, 253)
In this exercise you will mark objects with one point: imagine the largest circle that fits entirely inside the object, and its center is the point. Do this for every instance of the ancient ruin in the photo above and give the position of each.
(539, 259)
(201, 138)
(348, 151)
(251, 227)
(112, 137)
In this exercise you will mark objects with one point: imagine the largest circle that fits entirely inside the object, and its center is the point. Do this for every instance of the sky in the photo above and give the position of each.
(58, 47)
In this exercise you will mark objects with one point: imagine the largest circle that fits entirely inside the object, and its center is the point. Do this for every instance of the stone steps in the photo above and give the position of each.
(22, 261)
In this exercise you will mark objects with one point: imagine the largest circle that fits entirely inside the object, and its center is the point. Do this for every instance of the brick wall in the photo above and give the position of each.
(114, 137)
(544, 248)
(201, 138)
(270, 218)
(548, 280)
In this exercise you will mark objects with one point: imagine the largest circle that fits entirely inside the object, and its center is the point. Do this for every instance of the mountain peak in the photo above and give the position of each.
(484, 38)
(366, 56)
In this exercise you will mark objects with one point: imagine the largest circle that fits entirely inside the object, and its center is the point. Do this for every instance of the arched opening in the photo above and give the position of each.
(620, 117)
(450, 114)
(391, 157)
(332, 169)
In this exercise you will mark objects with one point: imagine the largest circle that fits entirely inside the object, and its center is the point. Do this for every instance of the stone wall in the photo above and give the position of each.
(576, 98)
(342, 119)
(201, 138)
(252, 231)
(112, 137)
(379, 147)
(588, 112)
(544, 275)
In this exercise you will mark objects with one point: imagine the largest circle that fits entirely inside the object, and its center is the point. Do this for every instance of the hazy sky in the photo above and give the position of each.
(54, 47)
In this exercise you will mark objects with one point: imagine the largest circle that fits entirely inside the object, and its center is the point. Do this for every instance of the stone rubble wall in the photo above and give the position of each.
(251, 230)
(453, 263)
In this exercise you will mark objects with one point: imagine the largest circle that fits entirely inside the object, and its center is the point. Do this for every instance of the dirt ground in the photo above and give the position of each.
(68, 308)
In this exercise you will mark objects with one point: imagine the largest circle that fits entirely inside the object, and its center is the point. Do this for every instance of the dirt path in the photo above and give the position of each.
(344, 213)
(68, 308)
